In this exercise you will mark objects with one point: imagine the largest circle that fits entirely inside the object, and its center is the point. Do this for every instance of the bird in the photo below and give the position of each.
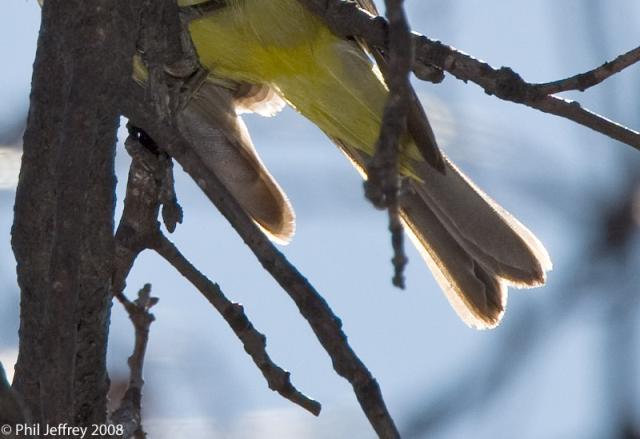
(262, 55)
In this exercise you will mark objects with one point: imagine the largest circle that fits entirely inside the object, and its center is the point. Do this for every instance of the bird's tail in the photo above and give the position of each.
(473, 246)
(219, 136)
(210, 123)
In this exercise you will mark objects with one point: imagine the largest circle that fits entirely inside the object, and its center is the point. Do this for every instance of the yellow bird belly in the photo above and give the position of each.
(329, 80)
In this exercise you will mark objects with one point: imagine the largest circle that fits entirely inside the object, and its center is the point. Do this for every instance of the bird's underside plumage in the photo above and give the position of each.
(473, 246)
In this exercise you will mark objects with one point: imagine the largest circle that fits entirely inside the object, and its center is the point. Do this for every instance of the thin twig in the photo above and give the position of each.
(383, 181)
(254, 342)
(346, 19)
(141, 318)
(129, 413)
(506, 84)
(138, 222)
(572, 110)
(583, 81)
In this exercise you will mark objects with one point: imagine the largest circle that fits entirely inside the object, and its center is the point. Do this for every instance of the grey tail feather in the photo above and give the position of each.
(477, 295)
(219, 136)
(482, 227)
(473, 246)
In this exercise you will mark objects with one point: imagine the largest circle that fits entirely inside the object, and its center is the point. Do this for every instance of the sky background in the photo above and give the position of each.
(564, 360)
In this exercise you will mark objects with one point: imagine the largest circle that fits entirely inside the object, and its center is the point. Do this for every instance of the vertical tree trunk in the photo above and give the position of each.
(63, 227)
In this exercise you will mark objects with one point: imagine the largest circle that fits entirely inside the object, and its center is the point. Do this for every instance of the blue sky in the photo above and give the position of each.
(548, 172)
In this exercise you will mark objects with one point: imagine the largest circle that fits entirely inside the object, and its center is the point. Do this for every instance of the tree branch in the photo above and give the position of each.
(506, 84)
(583, 81)
(383, 182)
(254, 342)
(129, 413)
(137, 225)
(346, 19)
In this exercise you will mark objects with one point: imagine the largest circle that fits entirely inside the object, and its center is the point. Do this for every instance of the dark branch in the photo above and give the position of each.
(137, 224)
(506, 84)
(503, 83)
(383, 183)
(129, 413)
(254, 342)
(591, 78)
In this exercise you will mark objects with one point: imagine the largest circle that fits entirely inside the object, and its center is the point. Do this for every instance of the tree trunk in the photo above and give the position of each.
(63, 229)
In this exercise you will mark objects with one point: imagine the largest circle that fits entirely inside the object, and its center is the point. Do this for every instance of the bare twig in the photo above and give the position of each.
(137, 224)
(141, 318)
(572, 110)
(254, 342)
(346, 19)
(506, 84)
(383, 184)
(593, 77)
(129, 413)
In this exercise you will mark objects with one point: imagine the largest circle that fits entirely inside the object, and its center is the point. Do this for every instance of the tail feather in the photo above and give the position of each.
(485, 229)
(473, 246)
(220, 137)
(477, 295)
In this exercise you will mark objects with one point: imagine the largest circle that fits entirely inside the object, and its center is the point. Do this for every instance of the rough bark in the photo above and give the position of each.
(63, 228)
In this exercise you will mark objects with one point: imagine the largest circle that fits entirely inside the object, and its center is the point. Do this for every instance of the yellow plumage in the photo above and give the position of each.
(278, 42)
